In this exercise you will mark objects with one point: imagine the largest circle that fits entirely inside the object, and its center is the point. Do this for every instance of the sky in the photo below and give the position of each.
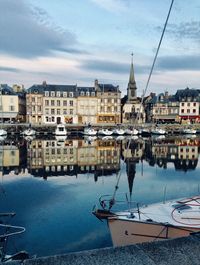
(78, 41)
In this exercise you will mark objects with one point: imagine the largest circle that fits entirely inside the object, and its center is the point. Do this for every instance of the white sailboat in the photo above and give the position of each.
(89, 131)
(189, 131)
(158, 131)
(159, 221)
(119, 131)
(132, 131)
(29, 132)
(105, 132)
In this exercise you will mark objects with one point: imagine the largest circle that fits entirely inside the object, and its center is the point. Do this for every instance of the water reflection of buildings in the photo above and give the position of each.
(12, 157)
(44, 158)
(73, 157)
(182, 152)
(132, 153)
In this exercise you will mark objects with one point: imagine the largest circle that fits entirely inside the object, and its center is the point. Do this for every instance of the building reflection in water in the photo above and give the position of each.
(45, 158)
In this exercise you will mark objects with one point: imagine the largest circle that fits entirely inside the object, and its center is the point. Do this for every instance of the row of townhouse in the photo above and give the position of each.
(100, 104)
(53, 104)
(184, 105)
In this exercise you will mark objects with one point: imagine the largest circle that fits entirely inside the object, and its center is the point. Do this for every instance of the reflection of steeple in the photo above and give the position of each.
(131, 90)
(130, 170)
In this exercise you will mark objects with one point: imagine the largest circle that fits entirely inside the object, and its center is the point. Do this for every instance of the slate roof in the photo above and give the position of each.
(40, 89)
(188, 93)
(7, 90)
(108, 88)
(85, 89)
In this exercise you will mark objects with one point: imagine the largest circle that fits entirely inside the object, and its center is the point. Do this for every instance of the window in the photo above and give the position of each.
(53, 119)
(64, 94)
(58, 111)
(188, 104)
(188, 111)
(39, 108)
(58, 94)
(87, 93)
(64, 111)
(64, 102)
(182, 104)
(58, 102)
(46, 111)
(52, 111)
(12, 108)
(182, 111)
(194, 104)
(46, 102)
(46, 93)
(33, 99)
(93, 94)
(71, 94)
(52, 94)
(71, 103)
(82, 93)
(71, 111)
(52, 103)
(194, 110)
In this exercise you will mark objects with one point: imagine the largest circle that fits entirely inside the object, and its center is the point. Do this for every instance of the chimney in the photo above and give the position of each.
(96, 84)
(44, 83)
(166, 94)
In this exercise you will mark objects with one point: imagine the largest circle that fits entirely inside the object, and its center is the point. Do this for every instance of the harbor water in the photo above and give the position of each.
(53, 185)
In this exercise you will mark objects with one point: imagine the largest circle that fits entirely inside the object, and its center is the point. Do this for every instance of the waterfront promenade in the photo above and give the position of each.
(184, 251)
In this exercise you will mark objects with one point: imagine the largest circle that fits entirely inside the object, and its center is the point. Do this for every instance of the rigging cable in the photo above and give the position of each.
(158, 48)
(147, 84)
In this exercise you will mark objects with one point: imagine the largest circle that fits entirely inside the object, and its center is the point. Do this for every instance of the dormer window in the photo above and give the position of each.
(46, 93)
(52, 94)
(93, 94)
(58, 94)
(71, 94)
(64, 94)
(88, 93)
(82, 93)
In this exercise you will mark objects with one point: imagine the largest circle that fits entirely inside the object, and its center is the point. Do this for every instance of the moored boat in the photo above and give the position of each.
(118, 131)
(130, 131)
(29, 132)
(189, 131)
(159, 221)
(158, 131)
(105, 132)
(60, 130)
(89, 131)
(3, 132)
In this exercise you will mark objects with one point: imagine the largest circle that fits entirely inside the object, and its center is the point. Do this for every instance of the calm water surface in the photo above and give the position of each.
(52, 186)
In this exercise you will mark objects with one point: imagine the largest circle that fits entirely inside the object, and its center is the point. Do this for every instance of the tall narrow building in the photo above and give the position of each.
(132, 89)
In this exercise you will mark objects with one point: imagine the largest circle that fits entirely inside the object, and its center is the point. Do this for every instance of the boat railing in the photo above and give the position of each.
(119, 202)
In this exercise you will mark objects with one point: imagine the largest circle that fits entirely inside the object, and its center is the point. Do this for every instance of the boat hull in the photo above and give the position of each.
(125, 232)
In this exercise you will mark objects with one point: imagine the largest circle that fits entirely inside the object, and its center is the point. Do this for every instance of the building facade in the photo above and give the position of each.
(189, 104)
(109, 103)
(87, 105)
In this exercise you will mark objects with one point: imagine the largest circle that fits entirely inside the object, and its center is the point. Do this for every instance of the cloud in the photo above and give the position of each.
(9, 69)
(187, 62)
(111, 67)
(113, 5)
(28, 32)
(185, 30)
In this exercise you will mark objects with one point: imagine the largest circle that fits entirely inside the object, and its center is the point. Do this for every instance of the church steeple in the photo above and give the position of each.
(131, 90)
